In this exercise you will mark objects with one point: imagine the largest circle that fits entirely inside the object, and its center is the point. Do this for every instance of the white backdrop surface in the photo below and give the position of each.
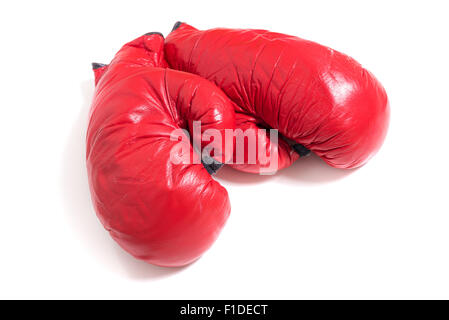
(310, 231)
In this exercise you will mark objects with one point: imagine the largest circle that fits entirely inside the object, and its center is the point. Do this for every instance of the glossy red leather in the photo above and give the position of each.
(312, 94)
(163, 213)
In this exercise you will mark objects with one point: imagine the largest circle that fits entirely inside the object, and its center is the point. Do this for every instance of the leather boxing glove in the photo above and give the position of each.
(318, 98)
(164, 213)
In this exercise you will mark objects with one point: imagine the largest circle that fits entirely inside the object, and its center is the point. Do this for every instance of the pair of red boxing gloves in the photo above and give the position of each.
(154, 92)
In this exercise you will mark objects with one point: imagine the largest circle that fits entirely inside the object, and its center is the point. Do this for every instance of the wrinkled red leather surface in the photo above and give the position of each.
(313, 95)
(166, 214)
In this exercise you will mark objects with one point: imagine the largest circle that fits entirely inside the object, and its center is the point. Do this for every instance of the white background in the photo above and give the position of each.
(309, 232)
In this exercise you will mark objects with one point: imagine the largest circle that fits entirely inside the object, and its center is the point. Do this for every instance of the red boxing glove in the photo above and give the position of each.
(320, 99)
(164, 213)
